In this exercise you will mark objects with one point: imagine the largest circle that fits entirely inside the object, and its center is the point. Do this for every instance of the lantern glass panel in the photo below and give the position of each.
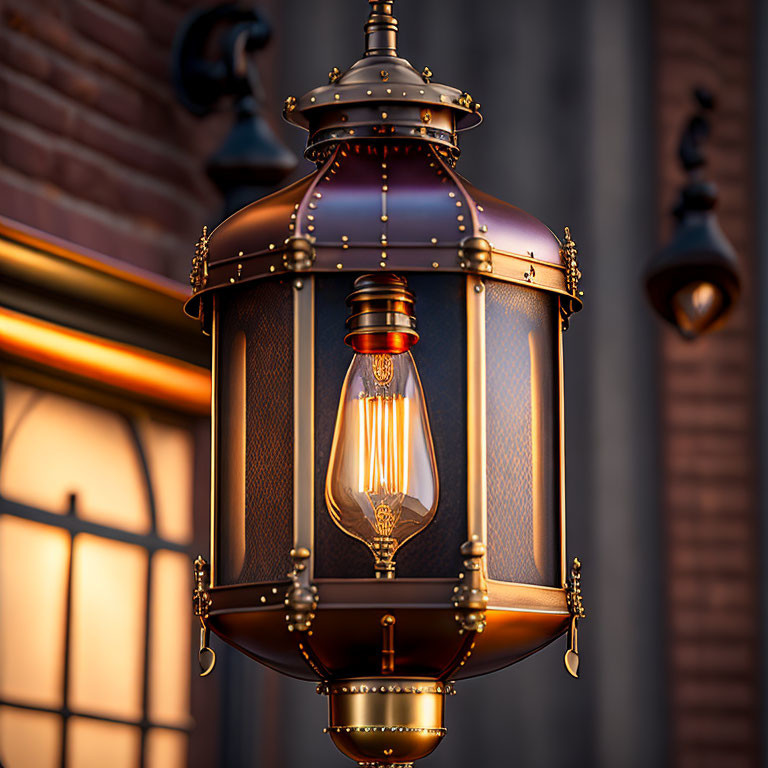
(523, 540)
(253, 537)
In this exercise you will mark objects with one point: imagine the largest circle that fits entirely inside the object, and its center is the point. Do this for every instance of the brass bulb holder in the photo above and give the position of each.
(381, 317)
(386, 721)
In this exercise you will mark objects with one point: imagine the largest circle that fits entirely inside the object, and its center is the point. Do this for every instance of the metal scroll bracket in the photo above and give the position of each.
(206, 656)
(576, 608)
(301, 598)
(470, 597)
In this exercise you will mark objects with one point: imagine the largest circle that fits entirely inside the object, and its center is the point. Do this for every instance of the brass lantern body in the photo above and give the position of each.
(486, 583)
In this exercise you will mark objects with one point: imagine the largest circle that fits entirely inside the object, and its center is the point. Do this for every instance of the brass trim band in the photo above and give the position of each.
(402, 259)
(476, 411)
(304, 416)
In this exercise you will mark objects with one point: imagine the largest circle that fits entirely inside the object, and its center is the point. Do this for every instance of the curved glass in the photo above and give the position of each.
(382, 485)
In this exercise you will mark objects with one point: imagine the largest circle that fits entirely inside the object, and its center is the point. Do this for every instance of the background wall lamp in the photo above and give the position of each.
(214, 60)
(422, 528)
(693, 282)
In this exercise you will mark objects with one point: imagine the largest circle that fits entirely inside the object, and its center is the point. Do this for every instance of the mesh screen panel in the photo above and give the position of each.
(264, 312)
(522, 510)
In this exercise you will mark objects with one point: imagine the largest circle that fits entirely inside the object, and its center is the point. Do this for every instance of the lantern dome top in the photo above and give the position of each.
(385, 195)
(388, 206)
(381, 96)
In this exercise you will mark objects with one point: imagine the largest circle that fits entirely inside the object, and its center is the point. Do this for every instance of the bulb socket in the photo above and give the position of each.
(381, 319)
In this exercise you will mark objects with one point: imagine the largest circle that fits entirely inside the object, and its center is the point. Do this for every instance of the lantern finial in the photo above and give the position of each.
(381, 30)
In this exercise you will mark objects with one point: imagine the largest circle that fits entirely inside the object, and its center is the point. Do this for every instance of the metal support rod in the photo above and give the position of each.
(381, 30)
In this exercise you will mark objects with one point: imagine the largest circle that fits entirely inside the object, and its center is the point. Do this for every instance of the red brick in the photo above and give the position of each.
(26, 99)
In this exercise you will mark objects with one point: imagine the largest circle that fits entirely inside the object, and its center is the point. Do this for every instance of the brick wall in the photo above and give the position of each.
(93, 145)
(709, 415)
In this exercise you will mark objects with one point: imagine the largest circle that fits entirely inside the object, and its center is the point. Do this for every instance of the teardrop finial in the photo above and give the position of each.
(381, 30)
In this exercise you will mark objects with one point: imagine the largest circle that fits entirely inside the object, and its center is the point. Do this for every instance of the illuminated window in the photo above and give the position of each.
(95, 625)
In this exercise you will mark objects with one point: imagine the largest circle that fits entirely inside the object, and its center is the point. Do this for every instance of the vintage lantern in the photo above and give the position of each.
(693, 282)
(387, 415)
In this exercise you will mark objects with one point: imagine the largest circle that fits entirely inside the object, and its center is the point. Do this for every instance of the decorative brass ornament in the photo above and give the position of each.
(405, 717)
(301, 598)
(465, 100)
(476, 254)
(198, 276)
(290, 104)
(572, 273)
(471, 595)
(299, 253)
(576, 608)
(202, 602)
(426, 75)
(334, 75)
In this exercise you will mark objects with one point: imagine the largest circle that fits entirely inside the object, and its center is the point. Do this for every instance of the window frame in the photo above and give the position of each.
(43, 280)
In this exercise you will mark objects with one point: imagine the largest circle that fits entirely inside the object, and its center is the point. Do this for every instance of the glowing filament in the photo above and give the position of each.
(383, 435)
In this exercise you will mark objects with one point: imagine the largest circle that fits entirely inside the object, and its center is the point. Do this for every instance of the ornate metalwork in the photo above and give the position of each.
(202, 598)
(576, 607)
(301, 598)
(383, 369)
(334, 75)
(202, 602)
(299, 254)
(198, 276)
(476, 254)
(471, 595)
(568, 253)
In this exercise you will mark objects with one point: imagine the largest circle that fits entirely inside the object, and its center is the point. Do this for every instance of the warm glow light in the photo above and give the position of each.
(383, 445)
(170, 455)
(166, 749)
(54, 446)
(382, 478)
(29, 739)
(33, 572)
(94, 744)
(109, 582)
(696, 307)
(170, 636)
(171, 381)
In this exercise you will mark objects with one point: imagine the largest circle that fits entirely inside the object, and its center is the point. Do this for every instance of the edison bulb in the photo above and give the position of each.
(382, 485)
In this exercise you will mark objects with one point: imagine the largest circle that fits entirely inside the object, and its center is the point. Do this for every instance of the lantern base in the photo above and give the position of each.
(386, 721)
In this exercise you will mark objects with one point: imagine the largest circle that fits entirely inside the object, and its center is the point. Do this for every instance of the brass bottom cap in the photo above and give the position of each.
(386, 721)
